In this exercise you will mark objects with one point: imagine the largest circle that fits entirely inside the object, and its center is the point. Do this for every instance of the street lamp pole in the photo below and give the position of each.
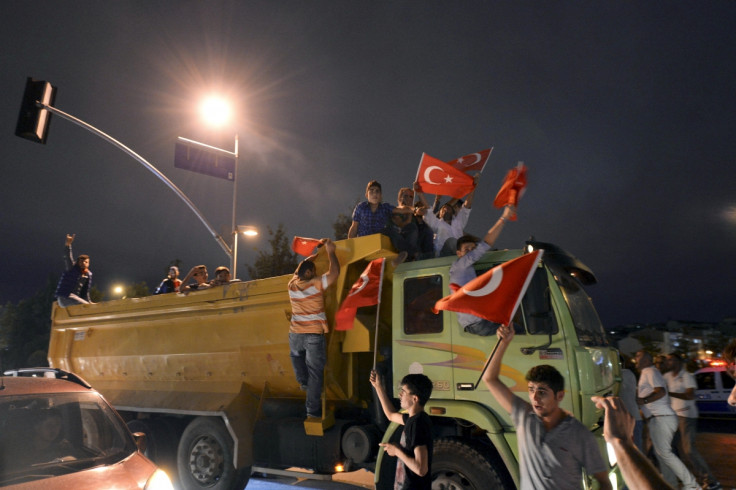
(234, 256)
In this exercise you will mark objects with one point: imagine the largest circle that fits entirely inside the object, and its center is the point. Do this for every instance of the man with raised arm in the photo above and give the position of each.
(308, 327)
(554, 446)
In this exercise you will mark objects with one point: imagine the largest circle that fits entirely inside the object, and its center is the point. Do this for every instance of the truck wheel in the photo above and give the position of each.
(205, 457)
(456, 465)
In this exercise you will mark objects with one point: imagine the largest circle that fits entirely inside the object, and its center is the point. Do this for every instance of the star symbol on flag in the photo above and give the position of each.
(448, 179)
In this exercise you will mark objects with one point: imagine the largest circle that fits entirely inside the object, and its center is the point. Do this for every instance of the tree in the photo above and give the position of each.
(25, 328)
(278, 261)
(341, 226)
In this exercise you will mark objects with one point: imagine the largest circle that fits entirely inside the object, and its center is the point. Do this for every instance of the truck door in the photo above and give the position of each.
(422, 343)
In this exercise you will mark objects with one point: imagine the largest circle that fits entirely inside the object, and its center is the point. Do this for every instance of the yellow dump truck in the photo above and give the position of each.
(207, 375)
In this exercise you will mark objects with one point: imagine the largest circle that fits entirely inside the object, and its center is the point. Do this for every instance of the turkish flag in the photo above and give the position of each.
(512, 188)
(473, 163)
(496, 294)
(305, 246)
(437, 177)
(365, 292)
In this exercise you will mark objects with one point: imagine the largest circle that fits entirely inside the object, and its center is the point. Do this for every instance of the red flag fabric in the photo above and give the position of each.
(437, 177)
(365, 292)
(473, 163)
(512, 188)
(304, 246)
(496, 294)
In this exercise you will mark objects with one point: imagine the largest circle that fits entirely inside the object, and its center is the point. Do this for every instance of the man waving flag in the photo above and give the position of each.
(437, 177)
(365, 292)
(496, 294)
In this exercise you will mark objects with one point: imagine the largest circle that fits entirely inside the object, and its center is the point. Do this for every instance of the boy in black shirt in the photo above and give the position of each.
(415, 449)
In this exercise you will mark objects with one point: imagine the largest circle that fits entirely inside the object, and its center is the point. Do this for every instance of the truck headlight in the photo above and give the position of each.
(159, 481)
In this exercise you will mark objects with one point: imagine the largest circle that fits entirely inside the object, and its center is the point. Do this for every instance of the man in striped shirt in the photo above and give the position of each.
(309, 325)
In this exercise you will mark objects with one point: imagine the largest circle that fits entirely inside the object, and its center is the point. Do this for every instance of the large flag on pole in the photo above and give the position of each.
(473, 163)
(496, 294)
(512, 188)
(365, 292)
(437, 177)
(304, 246)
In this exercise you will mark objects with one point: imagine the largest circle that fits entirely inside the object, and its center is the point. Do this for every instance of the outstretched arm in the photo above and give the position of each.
(495, 230)
(334, 269)
(469, 198)
(500, 391)
(618, 427)
(388, 407)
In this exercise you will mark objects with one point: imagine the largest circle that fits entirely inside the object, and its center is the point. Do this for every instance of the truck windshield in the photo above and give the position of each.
(588, 325)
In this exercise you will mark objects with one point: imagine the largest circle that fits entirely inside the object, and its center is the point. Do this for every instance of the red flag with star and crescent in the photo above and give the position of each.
(496, 294)
(365, 292)
(473, 163)
(304, 246)
(512, 188)
(437, 177)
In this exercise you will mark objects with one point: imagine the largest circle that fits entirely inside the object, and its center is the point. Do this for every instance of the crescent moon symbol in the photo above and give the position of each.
(428, 171)
(492, 285)
(363, 278)
(477, 159)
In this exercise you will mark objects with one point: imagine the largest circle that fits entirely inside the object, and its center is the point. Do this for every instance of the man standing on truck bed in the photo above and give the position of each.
(309, 325)
(75, 283)
(554, 446)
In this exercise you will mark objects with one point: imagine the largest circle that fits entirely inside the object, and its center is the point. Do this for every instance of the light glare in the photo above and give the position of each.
(215, 111)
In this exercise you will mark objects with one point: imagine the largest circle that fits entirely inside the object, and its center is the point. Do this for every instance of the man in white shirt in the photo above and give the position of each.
(681, 386)
(661, 419)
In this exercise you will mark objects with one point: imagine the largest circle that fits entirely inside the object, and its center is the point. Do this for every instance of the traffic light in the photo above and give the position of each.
(33, 121)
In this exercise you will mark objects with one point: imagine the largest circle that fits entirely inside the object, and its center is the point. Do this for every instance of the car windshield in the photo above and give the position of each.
(53, 434)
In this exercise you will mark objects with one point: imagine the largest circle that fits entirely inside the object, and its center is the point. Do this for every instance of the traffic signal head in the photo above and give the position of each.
(33, 121)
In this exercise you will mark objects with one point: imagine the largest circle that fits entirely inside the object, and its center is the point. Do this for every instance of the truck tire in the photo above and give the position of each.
(205, 457)
(457, 465)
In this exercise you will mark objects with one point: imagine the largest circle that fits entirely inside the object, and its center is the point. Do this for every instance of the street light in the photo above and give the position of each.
(245, 230)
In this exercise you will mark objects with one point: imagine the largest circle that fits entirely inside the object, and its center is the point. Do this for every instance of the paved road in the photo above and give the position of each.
(716, 442)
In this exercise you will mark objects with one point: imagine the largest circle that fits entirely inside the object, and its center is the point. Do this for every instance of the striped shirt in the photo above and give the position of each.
(308, 305)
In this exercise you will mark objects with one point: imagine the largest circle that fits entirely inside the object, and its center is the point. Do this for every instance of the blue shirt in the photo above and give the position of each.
(370, 222)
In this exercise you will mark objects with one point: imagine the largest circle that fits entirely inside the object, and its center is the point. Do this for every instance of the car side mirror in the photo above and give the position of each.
(140, 441)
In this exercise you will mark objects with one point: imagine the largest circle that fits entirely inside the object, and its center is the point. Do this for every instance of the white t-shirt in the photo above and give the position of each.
(679, 383)
(649, 379)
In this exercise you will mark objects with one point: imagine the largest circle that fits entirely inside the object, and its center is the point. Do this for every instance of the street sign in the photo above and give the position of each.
(204, 161)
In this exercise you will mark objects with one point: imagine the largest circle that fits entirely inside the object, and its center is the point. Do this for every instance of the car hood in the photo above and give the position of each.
(128, 474)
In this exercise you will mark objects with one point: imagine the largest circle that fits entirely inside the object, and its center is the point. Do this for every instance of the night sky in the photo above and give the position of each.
(624, 113)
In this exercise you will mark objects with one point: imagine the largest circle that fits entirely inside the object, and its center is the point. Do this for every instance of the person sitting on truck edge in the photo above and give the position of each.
(371, 215)
(402, 228)
(413, 469)
(554, 446)
(450, 225)
(199, 274)
(661, 420)
(76, 281)
(222, 276)
(308, 325)
(462, 271)
(170, 283)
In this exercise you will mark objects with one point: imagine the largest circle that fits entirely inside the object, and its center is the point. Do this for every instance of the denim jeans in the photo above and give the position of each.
(308, 356)
(662, 430)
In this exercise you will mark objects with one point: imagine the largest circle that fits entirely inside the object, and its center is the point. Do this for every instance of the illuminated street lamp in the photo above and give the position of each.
(247, 231)
(118, 290)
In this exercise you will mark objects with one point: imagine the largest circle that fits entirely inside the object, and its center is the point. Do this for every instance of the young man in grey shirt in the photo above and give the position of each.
(554, 446)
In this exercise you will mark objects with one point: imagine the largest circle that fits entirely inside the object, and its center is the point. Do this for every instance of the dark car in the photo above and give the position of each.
(56, 432)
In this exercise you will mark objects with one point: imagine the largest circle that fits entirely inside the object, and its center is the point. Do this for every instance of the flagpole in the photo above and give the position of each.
(378, 313)
(488, 362)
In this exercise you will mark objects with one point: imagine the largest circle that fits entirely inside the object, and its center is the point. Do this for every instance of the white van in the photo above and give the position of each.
(714, 386)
